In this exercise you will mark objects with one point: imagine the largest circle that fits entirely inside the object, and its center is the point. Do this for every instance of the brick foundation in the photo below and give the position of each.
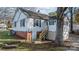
(22, 34)
(25, 35)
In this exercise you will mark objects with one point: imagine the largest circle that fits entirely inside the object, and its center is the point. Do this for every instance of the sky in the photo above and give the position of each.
(46, 10)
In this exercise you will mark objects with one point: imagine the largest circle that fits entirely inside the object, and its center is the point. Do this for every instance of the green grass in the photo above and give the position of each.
(34, 47)
(6, 35)
(21, 46)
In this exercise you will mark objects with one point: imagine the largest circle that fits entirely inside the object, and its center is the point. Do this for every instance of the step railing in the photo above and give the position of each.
(43, 34)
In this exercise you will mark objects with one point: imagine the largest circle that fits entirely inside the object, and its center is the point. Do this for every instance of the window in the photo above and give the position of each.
(51, 22)
(22, 23)
(37, 23)
(14, 24)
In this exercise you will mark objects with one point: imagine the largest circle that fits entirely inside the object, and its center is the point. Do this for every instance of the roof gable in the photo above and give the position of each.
(34, 14)
(18, 11)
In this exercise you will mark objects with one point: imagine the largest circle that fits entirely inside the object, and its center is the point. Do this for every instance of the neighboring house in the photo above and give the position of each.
(29, 24)
(3, 26)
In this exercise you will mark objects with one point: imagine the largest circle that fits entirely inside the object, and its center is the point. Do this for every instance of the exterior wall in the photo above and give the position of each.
(52, 30)
(37, 29)
(66, 29)
(19, 16)
(26, 35)
(28, 25)
(34, 35)
(21, 34)
(22, 31)
(51, 35)
(16, 16)
(53, 27)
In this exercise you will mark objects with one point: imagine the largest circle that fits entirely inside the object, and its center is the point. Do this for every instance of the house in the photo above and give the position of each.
(33, 25)
(3, 26)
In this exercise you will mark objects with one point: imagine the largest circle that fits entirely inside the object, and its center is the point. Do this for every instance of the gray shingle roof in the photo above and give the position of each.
(35, 15)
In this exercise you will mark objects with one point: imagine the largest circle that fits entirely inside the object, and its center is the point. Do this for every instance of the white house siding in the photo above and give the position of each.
(53, 27)
(51, 35)
(52, 31)
(16, 20)
(28, 24)
(43, 24)
(30, 28)
(34, 35)
(16, 15)
(37, 29)
(19, 16)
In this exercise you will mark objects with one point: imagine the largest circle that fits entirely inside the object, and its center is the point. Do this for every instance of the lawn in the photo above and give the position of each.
(34, 47)
(6, 35)
(6, 38)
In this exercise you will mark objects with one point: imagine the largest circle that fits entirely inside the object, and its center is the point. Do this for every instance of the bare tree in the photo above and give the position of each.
(6, 12)
(30, 8)
(59, 32)
(71, 20)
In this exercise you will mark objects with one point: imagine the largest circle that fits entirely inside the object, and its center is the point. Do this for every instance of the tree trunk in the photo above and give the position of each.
(71, 20)
(59, 30)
